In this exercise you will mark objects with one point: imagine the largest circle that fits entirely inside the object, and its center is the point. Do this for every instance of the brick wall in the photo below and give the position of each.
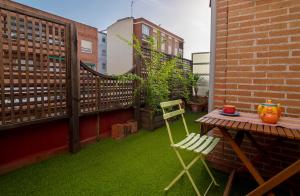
(88, 33)
(258, 58)
(258, 54)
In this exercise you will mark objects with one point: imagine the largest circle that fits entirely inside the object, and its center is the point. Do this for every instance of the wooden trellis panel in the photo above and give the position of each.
(100, 93)
(33, 68)
(184, 64)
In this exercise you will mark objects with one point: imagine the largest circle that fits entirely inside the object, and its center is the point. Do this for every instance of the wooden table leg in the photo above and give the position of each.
(243, 157)
(238, 139)
(277, 179)
(229, 184)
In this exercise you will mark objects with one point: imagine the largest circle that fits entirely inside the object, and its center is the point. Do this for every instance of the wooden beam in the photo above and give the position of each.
(137, 98)
(277, 179)
(242, 157)
(229, 184)
(74, 86)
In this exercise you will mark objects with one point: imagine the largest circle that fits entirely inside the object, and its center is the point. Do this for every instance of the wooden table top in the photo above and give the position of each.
(251, 127)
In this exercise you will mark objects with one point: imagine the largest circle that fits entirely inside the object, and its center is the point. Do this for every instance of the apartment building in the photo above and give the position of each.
(102, 52)
(120, 58)
(166, 41)
(87, 36)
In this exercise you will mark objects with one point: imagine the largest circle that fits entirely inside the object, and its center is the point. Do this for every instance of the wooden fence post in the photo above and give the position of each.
(137, 98)
(74, 90)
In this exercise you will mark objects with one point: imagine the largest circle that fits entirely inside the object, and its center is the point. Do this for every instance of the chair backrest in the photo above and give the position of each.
(167, 114)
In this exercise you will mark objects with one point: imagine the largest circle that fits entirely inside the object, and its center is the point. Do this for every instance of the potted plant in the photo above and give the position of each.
(163, 76)
(197, 103)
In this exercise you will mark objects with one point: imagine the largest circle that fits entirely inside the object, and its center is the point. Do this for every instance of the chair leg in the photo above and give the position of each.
(209, 172)
(185, 170)
(175, 180)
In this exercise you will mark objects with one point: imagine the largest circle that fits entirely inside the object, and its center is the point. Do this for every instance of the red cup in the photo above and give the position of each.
(229, 109)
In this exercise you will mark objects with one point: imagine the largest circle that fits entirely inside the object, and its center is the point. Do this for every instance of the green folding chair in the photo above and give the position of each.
(201, 145)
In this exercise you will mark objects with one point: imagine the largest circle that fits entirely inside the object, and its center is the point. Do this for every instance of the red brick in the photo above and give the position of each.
(285, 18)
(239, 68)
(293, 96)
(294, 24)
(254, 61)
(251, 99)
(285, 32)
(273, 54)
(240, 43)
(251, 87)
(283, 88)
(285, 61)
(295, 39)
(254, 49)
(293, 81)
(271, 67)
(241, 18)
(238, 92)
(271, 13)
(269, 95)
(240, 31)
(271, 27)
(272, 40)
(246, 74)
(239, 80)
(293, 111)
(294, 9)
(294, 67)
(285, 47)
(268, 81)
(283, 75)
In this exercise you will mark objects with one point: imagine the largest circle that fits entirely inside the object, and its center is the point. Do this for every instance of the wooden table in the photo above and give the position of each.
(245, 128)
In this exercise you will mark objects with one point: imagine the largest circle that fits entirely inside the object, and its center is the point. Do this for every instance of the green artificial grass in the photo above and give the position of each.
(141, 164)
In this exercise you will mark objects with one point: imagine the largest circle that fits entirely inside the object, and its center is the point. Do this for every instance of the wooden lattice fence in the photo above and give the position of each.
(99, 93)
(33, 67)
(184, 64)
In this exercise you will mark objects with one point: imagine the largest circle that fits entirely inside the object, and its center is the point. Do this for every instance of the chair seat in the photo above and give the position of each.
(198, 144)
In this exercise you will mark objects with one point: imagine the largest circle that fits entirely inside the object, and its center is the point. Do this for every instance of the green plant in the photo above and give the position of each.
(194, 78)
(163, 75)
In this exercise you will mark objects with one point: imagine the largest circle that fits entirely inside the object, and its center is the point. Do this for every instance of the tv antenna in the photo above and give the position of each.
(131, 7)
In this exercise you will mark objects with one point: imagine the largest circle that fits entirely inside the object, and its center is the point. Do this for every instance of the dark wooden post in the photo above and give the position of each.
(74, 89)
(138, 63)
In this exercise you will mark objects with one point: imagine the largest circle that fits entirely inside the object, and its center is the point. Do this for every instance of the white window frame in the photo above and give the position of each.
(163, 42)
(86, 46)
(145, 31)
(169, 46)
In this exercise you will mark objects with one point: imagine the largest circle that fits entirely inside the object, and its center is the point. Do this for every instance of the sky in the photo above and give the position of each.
(189, 19)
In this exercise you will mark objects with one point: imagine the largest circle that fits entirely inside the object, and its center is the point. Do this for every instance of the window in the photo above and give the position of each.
(86, 46)
(104, 66)
(163, 43)
(103, 52)
(170, 46)
(145, 31)
(103, 39)
(155, 40)
(176, 48)
(180, 52)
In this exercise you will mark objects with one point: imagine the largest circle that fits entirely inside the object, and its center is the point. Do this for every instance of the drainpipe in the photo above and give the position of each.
(212, 55)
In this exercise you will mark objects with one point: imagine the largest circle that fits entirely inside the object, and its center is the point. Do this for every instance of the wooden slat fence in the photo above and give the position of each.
(33, 68)
(99, 93)
(184, 64)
